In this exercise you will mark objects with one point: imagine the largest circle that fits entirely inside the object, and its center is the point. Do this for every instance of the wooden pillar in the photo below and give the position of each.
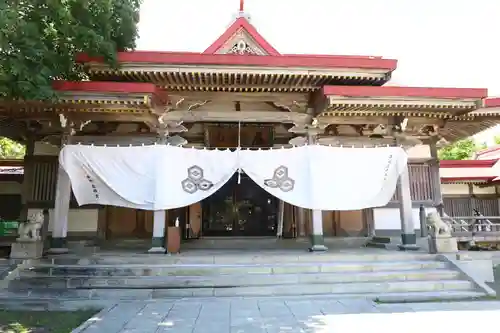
(28, 177)
(159, 217)
(408, 235)
(301, 225)
(158, 240)
(436, 178)
(61, 208)
(317, 238)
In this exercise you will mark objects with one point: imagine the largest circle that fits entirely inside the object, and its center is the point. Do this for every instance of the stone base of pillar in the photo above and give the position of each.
(157, 249)
(408, 247)
(58, 246)
(318, 248)
(157, 245)
(408, 242)
(317, 244)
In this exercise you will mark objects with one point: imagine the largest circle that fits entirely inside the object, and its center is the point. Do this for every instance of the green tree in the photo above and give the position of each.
(40, 38)
(10, 149)
(459, 150)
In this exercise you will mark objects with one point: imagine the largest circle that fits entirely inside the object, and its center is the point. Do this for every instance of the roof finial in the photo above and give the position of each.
(242, 13)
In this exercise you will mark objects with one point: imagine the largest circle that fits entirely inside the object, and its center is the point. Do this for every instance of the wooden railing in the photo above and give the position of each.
(474, 226)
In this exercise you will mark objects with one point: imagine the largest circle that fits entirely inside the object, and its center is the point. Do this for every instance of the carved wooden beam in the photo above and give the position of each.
(277, 97)
(93, 116)
(354, 120)
(231, 116)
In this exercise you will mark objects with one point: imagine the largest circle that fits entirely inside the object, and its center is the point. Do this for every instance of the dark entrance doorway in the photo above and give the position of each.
(243, 209)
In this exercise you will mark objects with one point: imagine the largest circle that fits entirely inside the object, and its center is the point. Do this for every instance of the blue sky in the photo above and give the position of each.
(454, 43)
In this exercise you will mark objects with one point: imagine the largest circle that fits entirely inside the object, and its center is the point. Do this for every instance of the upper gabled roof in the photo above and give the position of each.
(241, 29)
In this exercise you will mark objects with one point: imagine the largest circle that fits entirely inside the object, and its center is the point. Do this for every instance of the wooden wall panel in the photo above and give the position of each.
(43, 171)
(129, 223)
(420, 183)
(350, 223)
(195, 213)
(328, 223)
(463, 206)
(289, 221)
(121, 222)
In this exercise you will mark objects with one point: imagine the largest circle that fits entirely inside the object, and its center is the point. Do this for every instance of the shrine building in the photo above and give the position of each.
(240, 92)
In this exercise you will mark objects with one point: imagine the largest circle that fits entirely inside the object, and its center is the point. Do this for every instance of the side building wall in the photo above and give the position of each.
(82, 222)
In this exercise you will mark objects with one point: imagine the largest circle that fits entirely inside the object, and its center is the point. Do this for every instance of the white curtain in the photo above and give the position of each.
(187, 175)
(327, 178)
(153, 177)
(165, 177)
(118, 176)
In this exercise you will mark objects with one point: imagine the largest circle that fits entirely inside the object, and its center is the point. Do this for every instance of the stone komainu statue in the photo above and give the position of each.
(438, 227)
(30, 229)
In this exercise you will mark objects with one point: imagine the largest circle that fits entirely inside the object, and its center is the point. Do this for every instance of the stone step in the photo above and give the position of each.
(207, 270)
(12, 301)
(340, 290)
(233, 258)
(236, 280)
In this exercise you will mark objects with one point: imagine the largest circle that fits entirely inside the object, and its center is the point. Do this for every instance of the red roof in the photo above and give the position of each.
(467, 163)
(468, 179)
(189, 58)
(241, 23)
(273, 59)
(96, 86)
(492, 102)
(391, 91)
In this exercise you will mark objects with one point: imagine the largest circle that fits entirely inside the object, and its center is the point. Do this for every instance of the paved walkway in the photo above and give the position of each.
(291, 316)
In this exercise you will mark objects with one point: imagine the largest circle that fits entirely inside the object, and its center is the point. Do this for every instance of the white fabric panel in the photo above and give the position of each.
(354, 178)
(118, 176)
(282, 172)
(327, 178)
(188, 175)
(165, 177)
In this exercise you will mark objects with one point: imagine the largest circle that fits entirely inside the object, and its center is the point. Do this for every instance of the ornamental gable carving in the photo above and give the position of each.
(242, 43)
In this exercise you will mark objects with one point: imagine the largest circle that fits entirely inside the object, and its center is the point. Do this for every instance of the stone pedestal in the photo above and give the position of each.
(442, 244)
(26, 249)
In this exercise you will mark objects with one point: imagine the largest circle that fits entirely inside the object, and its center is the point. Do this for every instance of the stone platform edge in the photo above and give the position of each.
(475, 267)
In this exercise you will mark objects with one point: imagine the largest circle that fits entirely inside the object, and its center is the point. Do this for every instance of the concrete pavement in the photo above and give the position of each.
(290, 315)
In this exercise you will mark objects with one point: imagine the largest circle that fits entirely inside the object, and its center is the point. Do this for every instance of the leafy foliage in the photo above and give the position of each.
(10, 149)
(40, 38)
(459, 150)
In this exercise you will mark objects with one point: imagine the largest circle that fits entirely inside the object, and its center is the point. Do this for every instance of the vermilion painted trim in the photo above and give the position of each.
(368, 91)
(492, 102)
(458, 179)
(467, 163)
(188, 58)
(241, 23)
(103, 87)
(333, 56)
(488, 150)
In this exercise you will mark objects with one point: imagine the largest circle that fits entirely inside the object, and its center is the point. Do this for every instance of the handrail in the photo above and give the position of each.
(476, 223)
(463, 225)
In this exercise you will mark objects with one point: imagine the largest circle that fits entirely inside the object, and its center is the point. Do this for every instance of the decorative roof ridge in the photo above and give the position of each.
(241, 22)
